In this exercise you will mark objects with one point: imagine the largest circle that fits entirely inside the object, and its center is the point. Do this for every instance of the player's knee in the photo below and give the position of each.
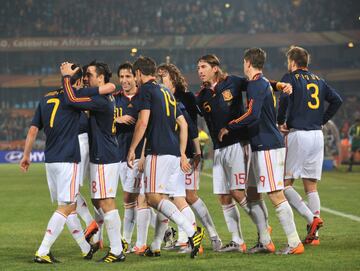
(191, 196)
(277, 197)
(225, 199)
(66, 208)
(288, 182)
(238, 195)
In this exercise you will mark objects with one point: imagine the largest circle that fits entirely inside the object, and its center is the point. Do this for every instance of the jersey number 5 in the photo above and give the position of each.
(315, 102)
(56, 103)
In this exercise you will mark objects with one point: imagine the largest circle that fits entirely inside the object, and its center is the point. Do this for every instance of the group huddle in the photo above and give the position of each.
(146, 135)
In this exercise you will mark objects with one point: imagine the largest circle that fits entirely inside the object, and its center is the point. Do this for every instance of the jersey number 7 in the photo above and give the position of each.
(56, 103)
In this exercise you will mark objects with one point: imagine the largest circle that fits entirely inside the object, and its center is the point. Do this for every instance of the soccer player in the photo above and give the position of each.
(127, 107)
(268, 152)
(159, 119)
(104, 154)
(302, 115)
(62, 155)
(354, 135)
(172, 78)
(220, 101)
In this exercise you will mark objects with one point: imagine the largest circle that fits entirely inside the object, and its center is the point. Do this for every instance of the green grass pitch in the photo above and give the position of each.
(26, 209)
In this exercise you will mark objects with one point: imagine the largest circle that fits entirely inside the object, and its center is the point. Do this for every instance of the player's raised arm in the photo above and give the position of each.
(30, 138)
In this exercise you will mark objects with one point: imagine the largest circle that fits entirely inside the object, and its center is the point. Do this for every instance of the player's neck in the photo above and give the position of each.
(253, 74)
(130, 92)
(147, 78)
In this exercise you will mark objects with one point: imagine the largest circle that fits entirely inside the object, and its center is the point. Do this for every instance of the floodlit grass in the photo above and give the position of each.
(26, 209)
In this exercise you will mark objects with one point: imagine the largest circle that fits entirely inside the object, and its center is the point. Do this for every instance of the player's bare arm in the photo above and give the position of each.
(197, 154)
(126, 119)
(30, 138)
(184, 164)
(223, 132)
(139, 132)
(284, 87)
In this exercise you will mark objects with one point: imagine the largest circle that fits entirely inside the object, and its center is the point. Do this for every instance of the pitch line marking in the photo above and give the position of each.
(325, 209)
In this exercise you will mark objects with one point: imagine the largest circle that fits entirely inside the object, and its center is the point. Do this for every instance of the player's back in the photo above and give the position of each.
(61, 126)
(306, 105)
(264, 134)
(161, 134)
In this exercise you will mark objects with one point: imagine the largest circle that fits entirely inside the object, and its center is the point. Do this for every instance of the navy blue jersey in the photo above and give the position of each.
(304, 109)
(161, 133)
(102, 136)
(61, 126)
(127, 106)
(260, 117)
(220, 106)
(84, 123)
(190, 110)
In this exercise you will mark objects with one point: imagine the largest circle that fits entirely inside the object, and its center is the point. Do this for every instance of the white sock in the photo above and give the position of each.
(265, 211)
(314, 203)
(286, 218)
(53, 230)
(203, 214)
(182, 236)
(153, 217)
(189, 214)
(99, 218)
(258, 217)
(74, 226)
(162, 223)
(142, 226)
(83, 210)
(298, 204)
(113, 227)
(129, 220)
(169, 210)
(232, 219)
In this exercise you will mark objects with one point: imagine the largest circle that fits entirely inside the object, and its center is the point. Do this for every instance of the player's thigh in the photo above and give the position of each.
(313, 164)
(295, 156)
(159, 175)
(64, 181)
(104, 180)
(235, 166)
(269, 170)
(220, 185)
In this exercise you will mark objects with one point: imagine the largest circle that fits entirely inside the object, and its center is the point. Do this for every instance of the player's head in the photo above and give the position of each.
(77, 79)
(98, 73)
(297, 58)
(126, 76)
(171, 77)
(209, 70)
(254, 60)
(144, 68)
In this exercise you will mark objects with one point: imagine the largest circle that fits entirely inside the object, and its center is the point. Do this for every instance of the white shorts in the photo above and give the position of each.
(192, 180)
(230, 168)
(267, 170)
(104, 180)
(130, 178)
(63, 181)
(161, 173)
(180, 185)
(305, 154)
(84, 167)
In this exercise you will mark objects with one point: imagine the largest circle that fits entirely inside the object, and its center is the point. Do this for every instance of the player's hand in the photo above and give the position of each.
(184, 164)
(65, 69)
(25, 164)
(131, 159)
(284, 129)
(285, 87)
(223, 132)
(126, 119)
(141, 164)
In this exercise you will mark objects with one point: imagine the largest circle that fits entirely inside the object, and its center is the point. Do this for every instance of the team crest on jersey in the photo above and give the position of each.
(227, 95)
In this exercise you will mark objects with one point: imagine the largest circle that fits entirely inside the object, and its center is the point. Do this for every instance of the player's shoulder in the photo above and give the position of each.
(53, 93)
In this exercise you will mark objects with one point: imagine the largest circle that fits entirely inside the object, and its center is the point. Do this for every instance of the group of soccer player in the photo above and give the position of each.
(146, 135)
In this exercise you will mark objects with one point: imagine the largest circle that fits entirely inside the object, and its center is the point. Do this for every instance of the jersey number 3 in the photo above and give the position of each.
(315, 102)
(56, 103)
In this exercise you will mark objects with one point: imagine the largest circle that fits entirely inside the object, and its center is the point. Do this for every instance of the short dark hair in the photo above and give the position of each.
(126, 66)
(102, 69)
(77, 75)
(146, 65)
(299, 55)
(256, 57)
